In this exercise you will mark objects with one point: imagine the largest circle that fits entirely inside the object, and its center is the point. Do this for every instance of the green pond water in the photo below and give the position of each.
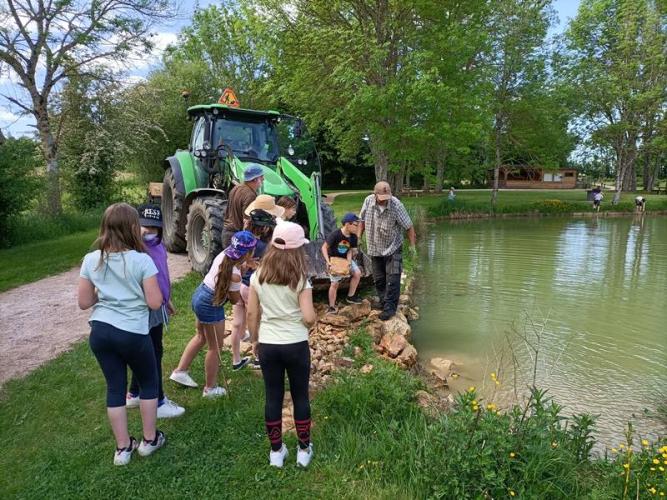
(589, 295)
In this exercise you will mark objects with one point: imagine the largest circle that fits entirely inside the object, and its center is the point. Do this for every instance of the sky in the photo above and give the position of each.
(12, 123)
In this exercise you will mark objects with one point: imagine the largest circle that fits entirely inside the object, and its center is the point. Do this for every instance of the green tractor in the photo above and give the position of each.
(225, 139)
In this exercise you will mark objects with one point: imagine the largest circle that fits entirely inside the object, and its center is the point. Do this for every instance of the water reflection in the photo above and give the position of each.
(594, 289)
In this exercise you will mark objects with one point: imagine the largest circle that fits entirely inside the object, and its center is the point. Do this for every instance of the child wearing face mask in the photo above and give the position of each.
(150, 218)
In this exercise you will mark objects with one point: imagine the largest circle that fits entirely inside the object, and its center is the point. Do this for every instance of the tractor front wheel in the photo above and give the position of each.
(173, 220)
(204, 231)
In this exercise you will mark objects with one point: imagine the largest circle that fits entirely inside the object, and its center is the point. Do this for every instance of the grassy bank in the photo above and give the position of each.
(474, 202)
(371, 438)
(31, 262)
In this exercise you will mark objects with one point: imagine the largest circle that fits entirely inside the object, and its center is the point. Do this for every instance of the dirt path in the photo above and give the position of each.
(332, 196)
(40, 320)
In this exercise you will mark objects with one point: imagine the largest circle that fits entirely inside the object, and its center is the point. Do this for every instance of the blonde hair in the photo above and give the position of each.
(120, 231)
(283, 267)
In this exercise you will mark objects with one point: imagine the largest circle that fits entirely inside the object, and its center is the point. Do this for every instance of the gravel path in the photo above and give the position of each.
(41, 320)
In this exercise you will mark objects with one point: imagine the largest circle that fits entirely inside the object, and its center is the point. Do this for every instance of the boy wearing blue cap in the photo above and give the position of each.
(343, 244)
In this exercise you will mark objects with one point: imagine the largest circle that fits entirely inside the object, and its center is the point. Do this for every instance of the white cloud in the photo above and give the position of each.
(7, 116)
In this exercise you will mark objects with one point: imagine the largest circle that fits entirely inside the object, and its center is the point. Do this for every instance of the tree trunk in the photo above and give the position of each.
(381, 160)
(497, 164)
(647, 179)
(50, 151)
(630, 179)
(439, 171)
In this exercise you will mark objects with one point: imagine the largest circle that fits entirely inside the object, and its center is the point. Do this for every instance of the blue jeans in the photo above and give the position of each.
(387, 277)
(117, 349)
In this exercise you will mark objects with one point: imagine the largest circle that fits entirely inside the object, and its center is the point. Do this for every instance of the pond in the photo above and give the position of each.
(587, 295)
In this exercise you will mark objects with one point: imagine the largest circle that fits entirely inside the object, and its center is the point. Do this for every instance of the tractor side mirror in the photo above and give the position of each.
(298, 128)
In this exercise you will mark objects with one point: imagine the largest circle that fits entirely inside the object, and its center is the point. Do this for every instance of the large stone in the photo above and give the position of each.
(336, 320)
(356, 312)
(375, 330)
(397, 325)
(408, 356)
(404, 299)
(442, 367)
(393, 344)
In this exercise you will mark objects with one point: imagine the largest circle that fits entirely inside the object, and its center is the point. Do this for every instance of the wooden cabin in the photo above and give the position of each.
(518, 177)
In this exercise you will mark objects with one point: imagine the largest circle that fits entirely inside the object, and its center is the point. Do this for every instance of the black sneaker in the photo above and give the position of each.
(353, 299)
(332, 310)
(385, 315)
(241, 364)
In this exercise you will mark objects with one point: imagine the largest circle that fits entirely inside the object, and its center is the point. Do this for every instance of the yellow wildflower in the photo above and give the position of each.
(491, 407)
(644, 442)
(497, 382)
(652, 469)
(614, 450)
(474, 402)
(656, 461)
(471, 388)
(626, 466)
(455, 375)
(493, 376)
(664, 455)
(554, 444)
(512, 454)
(661, 469)
(621, 446)
(653, 490)
(512, 493)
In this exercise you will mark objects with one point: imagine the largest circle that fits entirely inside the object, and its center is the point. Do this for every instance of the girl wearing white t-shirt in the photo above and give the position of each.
(280, 312)
(222, 283)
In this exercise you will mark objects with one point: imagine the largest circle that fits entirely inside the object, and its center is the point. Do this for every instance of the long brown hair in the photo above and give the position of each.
(119, 231)
(224, 279)
(283, 267)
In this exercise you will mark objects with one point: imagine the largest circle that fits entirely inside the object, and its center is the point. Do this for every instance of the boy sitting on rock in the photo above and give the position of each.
(339, 250)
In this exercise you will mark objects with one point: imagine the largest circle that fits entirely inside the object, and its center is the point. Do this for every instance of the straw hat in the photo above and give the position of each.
(266, 203)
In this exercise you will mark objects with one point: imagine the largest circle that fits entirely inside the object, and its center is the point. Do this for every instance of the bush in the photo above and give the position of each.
(19, 182)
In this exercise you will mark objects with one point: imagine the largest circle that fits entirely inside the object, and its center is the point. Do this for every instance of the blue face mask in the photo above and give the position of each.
(150, 237)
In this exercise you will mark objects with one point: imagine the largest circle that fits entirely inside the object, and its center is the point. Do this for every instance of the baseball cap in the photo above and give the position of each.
(267, 203)
(382, 190)
(252, 171)
(150, 215)
(242, 243)
(261, 217)
(350, 217)
(288, 235)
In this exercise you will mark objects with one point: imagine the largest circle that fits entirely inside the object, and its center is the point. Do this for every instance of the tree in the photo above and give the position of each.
(618, 64)
(45, 42)
(518, 30)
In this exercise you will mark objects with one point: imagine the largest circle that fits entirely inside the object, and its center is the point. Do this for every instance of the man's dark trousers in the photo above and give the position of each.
(387, 277)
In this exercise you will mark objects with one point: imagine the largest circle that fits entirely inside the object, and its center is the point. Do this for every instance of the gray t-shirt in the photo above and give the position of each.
(119, 288)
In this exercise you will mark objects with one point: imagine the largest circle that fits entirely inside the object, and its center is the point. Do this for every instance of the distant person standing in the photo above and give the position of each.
(597, 199)
(240, 197)
(640, 204)
(451, 197)
(385, 219)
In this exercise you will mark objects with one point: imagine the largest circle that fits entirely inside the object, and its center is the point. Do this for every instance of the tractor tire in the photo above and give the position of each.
(328, 219)
(173, 219)
(204, 231)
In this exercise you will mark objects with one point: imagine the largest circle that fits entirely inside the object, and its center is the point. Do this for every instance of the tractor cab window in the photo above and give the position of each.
(198, 134)
(248, 140)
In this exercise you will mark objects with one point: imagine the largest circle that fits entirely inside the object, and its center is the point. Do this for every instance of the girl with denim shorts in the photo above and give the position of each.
(222, 283)
(118, 281)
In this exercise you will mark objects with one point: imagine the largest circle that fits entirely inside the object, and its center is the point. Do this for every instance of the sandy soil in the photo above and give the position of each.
(40, 320)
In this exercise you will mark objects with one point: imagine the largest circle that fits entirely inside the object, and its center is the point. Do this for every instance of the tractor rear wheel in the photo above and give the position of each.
(328, 219)
(173, 219)
(204, 231)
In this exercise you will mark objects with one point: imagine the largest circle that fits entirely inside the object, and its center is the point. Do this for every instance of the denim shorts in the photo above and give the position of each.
(202, 305)
(353, 269)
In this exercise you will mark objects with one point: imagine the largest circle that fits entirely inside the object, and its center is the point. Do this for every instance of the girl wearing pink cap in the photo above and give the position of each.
(280, 312)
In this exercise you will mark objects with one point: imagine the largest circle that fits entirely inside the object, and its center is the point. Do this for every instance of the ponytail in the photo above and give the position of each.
(224, 280)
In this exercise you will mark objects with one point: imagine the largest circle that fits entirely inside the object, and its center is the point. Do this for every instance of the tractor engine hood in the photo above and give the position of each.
(273, 184)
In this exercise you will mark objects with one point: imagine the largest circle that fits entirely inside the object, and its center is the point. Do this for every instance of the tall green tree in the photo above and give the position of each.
(44, 43)
(618, 64)
(516, 58)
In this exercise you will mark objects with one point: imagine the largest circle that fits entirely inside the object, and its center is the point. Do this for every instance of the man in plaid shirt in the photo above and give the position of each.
(384, 218)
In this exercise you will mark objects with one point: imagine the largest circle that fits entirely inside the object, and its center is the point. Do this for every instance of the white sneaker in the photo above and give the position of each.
(303, 457)
(214, 392)
(277, 458)
(169, 409)
(123, 456)
(148, 447)
(183, 378)
(131, 401)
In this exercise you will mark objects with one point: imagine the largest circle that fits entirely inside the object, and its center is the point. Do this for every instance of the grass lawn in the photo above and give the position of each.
(27, 263)
(478, 201)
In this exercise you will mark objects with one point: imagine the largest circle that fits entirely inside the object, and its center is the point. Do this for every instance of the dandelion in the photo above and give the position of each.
(621, 446)
(614, 450)
(491, 407)
(512, 454)
(512, 493)
(664, 455)
(554, 444)
(497, 382)
(652, 490)
(656, 461)
(644, 442)
(471, 388)
(661, 469)
(493, 376)
(652, 469)
(626, 466)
